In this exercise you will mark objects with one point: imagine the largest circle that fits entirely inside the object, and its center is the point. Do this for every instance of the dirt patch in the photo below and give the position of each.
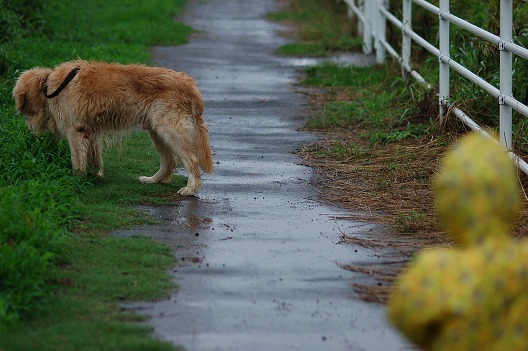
(388, 183)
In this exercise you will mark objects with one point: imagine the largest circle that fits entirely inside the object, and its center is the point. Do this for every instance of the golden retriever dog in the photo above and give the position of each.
(82, 100)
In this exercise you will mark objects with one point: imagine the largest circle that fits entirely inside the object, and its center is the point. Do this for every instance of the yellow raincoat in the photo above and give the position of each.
(474, 296)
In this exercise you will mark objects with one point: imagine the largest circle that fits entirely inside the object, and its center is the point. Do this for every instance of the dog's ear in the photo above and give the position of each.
(20, 101)
(28, 90)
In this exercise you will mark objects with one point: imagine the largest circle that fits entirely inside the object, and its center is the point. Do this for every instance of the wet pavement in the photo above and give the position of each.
(257, 254)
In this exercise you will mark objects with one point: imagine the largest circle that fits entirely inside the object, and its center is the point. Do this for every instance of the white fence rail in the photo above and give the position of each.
(373, 16)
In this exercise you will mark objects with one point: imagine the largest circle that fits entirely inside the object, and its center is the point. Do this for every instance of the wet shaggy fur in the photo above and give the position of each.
(108, 97)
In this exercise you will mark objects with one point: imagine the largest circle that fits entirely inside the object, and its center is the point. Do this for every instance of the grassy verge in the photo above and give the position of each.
(94, 274)
(382, 140)
(322, 27)
(62, 278)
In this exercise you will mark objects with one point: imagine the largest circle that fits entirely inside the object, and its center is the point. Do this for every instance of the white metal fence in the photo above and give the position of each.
(373, 16)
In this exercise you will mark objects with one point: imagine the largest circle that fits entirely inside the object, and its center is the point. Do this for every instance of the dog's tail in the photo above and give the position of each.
(202, 144)
(203, 147)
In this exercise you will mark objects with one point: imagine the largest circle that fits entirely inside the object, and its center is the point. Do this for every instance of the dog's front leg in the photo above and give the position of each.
(79, 140)
(95, 154)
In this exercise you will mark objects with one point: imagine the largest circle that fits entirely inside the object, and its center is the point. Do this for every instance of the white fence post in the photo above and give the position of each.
(506, 25)
(406, 37)
(445, 54)
(381, 25)
(367, 26)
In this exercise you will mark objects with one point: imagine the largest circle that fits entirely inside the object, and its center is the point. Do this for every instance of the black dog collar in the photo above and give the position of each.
(68, 79)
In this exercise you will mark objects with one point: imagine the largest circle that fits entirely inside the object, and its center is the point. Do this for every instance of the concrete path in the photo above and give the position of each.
(258, 256)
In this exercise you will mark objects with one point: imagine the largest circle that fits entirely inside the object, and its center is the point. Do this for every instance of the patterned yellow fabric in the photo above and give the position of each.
(475, 296)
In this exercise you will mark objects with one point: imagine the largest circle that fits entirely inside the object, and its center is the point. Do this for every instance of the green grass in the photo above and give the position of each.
(323, 28)
(62, 278)
(372, 98)
(95, 272)
(96, 30)
(331, 74)
(347, 151)
(132, 156)
(302, 49)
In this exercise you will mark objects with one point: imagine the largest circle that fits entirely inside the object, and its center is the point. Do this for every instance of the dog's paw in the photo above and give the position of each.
(186, 191)
(146, 180)
(100, 173)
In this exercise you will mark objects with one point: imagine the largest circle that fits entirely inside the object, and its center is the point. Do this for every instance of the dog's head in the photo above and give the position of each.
(29, 99)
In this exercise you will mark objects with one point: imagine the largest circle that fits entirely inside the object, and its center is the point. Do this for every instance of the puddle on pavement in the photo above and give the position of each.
(353, 59)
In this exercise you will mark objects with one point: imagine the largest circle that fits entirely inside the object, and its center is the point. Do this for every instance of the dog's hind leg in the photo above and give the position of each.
(79, 141)
(190, 161)
(167, 161)
(180, 139)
